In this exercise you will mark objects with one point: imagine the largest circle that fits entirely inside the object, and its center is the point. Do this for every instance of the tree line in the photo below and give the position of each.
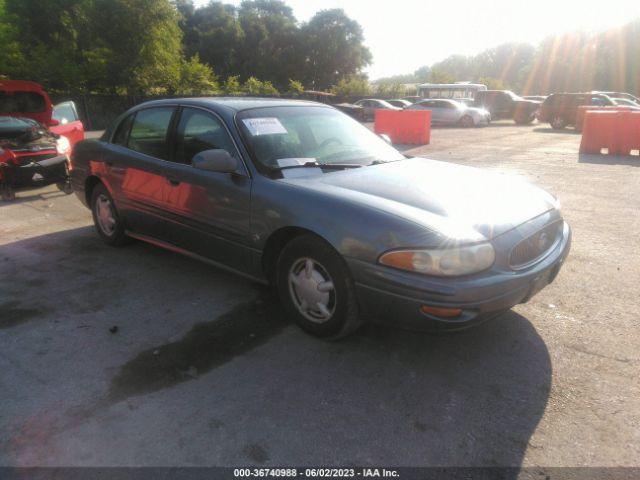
(608, 61)
(164, 47)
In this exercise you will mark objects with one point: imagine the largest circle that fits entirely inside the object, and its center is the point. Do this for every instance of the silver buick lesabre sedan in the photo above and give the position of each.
(299, 195)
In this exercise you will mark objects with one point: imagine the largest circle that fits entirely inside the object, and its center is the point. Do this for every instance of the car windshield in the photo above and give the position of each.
(281, 137)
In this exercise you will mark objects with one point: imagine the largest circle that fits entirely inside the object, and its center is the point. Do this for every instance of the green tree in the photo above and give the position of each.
(440, 76)
(334, 48)
(150, 59)
(197, 78)
(214, 33)
(11, 58)
(355, 85)
(295, 87)
(390, 89)
(269, 48)
(52, 36)
(232, 86)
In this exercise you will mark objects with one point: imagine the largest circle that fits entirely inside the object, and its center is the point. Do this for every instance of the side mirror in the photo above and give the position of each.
(54, 123)
(386, 138)
(217, 160)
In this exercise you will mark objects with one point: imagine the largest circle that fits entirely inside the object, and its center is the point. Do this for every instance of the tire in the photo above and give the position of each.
(467, 122)
(558, 122)
(65, 187)
(524, 120)
(298, 281)
(110, 231)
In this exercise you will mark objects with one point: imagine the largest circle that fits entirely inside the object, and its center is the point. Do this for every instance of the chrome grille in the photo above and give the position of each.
(535, 246)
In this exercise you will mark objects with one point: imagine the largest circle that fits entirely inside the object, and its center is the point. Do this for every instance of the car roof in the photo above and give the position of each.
(234, 104)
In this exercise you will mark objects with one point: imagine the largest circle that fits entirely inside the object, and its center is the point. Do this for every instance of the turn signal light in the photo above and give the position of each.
(441, 311)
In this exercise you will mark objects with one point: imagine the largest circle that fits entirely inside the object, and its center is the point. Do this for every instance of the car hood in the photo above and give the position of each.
(459, 202)
(26, 100)
(19, 133)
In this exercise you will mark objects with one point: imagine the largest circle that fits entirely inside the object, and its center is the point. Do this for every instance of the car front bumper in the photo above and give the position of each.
(394, 297)
(35, 173)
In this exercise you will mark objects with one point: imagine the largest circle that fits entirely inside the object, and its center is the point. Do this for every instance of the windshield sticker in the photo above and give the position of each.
(292, 162)
(264, 126)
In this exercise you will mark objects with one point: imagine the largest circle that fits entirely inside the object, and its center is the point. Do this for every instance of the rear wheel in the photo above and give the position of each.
(558, 122)
(467, 121)
(106, 218)
(316, 288)
(524, 119)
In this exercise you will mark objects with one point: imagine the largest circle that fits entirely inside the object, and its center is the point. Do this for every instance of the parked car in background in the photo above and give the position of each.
(625, 102)
(535, 98)
(504, 104)
(370, 106)
(355, 111)
(561, 109)
(400, 103)
(450, 112)
(412, 98)
(300, 195)
(36, 138)
(626, 96)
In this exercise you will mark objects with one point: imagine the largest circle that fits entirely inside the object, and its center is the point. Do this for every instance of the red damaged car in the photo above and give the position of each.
(36, 138)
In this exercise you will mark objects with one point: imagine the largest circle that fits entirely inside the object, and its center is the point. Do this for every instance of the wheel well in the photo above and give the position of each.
(89, 185)
(275, 243)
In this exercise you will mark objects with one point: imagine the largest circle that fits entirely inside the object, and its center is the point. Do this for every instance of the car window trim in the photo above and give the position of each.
(176, 106)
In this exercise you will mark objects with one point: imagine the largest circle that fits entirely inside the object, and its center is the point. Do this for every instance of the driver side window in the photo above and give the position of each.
(199, 131)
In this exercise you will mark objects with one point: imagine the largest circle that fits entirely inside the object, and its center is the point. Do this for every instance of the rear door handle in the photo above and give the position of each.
(173, 182)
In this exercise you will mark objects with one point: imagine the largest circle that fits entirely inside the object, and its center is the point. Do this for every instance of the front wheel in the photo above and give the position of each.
(558, 122)
(106, 218)
(524, 120)
(316, 288)
(467, 121)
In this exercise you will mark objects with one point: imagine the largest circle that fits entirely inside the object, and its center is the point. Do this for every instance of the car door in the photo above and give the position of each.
(369, 109)
(69, 123)
(134, 168)
(208, 212)
(448, 112)
(438, 114)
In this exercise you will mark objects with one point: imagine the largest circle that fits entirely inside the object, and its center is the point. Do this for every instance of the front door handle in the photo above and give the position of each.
(173, 182)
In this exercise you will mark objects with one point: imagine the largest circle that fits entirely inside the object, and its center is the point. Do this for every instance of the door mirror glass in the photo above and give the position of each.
(216, 160)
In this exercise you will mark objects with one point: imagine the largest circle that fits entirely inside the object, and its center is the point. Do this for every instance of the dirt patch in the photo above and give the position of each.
(12, 314)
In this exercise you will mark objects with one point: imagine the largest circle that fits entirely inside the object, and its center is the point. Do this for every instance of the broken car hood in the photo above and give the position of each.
(25, 100)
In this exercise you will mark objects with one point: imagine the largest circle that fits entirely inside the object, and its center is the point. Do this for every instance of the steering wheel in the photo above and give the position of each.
(329, 141)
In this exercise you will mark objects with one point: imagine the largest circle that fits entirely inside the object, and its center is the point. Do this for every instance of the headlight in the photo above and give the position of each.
(442, 262)
(63, 146)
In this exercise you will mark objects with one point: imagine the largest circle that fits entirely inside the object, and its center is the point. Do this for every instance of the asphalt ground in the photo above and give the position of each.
(202, 368)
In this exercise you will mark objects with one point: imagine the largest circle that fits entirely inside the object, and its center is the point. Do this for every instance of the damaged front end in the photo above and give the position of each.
(31, 156)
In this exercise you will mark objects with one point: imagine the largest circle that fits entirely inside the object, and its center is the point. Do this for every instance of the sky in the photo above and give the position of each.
(404, 35)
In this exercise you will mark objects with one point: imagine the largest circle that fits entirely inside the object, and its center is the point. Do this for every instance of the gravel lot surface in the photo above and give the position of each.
(202, 369)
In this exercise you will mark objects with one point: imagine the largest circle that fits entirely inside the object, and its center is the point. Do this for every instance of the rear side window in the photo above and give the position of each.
(122, 133)
(149, 132)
